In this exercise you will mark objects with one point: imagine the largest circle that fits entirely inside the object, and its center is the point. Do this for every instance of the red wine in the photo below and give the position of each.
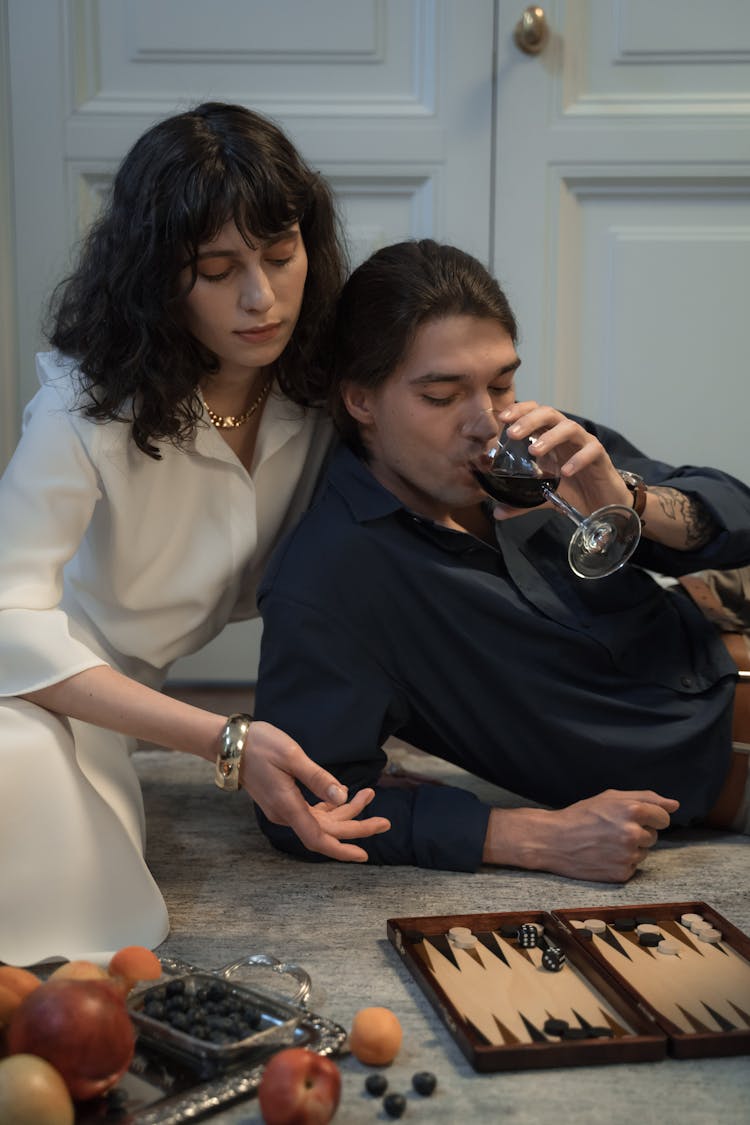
(516, 491)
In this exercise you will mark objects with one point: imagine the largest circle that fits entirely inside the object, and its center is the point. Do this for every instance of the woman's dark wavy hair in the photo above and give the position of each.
(119, 313)
(385, 302)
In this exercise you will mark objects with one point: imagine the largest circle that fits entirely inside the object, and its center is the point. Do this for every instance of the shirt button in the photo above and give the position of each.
(686, 681)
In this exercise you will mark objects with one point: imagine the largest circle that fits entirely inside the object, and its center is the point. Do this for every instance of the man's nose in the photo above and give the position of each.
(483, 425)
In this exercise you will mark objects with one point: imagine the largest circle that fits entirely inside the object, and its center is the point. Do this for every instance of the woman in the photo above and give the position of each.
(170, 445)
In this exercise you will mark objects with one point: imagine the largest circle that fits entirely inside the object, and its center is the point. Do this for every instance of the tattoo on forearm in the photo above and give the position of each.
(698, 524)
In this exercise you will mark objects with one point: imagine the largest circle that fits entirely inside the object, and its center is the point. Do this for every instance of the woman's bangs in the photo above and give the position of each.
(261, 211)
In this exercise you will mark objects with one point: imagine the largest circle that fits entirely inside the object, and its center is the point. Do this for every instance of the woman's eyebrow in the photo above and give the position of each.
(229, 252)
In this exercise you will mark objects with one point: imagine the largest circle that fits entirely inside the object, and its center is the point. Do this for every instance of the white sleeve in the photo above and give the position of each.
(47, 496)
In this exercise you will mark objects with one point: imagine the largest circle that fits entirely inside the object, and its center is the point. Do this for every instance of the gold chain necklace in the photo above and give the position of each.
(232, 421)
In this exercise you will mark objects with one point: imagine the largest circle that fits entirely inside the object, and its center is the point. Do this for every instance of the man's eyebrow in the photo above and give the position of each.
(265, 244)
(458, 377)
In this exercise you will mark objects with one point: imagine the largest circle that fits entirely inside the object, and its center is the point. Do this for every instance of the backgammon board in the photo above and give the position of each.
(584, 986)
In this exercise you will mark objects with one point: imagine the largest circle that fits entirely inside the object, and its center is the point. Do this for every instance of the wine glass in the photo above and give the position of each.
(601, 543)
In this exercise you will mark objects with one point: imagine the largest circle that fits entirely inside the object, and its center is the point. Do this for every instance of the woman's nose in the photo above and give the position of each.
(257, 293)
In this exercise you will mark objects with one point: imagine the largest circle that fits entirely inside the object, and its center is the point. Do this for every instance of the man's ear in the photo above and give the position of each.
(357, 401)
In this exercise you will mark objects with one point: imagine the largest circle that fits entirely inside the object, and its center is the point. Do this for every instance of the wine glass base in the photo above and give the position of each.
(604, 541)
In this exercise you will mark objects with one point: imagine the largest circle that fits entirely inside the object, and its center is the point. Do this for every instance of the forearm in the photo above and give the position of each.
(519, 838)
(676, 520)
(604, 837)
(107, 698)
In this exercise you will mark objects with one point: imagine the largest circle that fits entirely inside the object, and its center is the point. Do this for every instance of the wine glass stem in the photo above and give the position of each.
(564, 506)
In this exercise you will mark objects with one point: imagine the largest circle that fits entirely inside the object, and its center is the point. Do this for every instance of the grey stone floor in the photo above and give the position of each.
(229, 895)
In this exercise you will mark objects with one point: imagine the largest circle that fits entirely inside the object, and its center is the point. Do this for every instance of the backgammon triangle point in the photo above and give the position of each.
(491, 942)
(443, 945)
(617, 1029)
(509, 1036)
(610, 939)
(537, 1036)
(723, 1022)
(740, 1012)
(696, 1023)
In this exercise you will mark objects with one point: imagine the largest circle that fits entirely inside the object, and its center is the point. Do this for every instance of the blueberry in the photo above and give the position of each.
(424, 1083)
(376, 1084)
(175, 987)
(394, 1104)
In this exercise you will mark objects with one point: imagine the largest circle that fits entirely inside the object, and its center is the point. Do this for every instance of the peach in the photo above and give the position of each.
(375, 1036)
(299, 1087)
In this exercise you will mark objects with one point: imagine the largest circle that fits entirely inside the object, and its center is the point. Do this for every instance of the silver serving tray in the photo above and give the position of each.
(176, 1077)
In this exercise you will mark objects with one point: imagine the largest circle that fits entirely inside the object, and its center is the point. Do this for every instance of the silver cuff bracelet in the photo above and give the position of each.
(229, 758)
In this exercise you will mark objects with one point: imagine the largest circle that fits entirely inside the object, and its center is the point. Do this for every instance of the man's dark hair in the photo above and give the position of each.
(120, 313)
(388, 298)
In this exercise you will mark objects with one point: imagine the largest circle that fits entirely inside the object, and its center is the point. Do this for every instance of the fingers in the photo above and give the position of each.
(313, 776)
(576, 447)
(340, 823)
(352, 829)
(315, 836)
(650, 809)
(272, 766)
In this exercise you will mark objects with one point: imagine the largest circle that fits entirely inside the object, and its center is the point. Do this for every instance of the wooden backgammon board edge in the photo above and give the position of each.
(680, 1044)
(647, 1044)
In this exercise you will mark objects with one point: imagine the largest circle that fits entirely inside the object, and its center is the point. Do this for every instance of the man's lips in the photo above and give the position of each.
(259, 334)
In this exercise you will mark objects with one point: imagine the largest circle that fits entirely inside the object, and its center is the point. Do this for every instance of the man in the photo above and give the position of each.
(404, 604)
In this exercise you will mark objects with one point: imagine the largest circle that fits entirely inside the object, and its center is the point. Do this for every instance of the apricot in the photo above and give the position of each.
(14, 985)
(375, 1036)
(78, 970)
(132, 964)
(20, 981)
(32, 1092)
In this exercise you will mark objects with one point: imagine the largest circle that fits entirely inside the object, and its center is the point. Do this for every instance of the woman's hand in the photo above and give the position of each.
(273, 763)
(588, 479)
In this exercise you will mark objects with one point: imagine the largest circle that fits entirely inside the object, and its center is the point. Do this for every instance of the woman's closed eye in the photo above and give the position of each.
(215, 276)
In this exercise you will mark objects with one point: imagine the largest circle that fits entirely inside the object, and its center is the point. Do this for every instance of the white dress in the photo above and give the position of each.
(110, 557)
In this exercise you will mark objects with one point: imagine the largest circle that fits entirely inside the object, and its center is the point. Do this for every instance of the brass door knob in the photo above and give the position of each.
(531, 32)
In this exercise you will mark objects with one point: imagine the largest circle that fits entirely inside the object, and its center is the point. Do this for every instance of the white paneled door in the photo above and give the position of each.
(622, 223)
(391, 99)
(606, 179)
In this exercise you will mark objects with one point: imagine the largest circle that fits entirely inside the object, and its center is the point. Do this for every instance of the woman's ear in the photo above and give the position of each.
(357, 401)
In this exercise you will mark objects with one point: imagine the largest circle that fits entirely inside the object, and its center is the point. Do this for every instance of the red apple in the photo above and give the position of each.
(299, 1087)
(81, 1027)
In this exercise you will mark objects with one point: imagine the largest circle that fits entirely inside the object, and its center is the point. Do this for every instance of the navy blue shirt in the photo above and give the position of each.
(379, 622)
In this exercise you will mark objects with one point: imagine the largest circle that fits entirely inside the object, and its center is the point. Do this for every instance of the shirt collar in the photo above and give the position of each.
(281, 421)
(365, 497)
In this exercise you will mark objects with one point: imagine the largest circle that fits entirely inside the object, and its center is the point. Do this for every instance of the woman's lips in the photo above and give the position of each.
(259, 335)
